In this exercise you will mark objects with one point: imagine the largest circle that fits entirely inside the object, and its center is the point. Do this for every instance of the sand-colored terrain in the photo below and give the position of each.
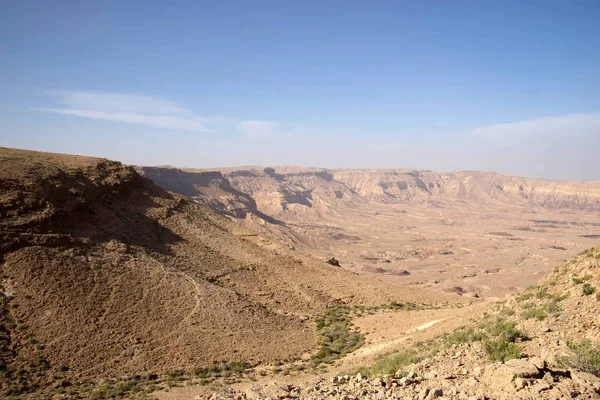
(106, 274)
(467, 233)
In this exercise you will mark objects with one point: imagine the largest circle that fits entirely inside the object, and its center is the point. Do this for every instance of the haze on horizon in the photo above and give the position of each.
(511, 87)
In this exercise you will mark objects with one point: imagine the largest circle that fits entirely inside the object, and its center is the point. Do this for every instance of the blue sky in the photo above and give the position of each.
(511, 86)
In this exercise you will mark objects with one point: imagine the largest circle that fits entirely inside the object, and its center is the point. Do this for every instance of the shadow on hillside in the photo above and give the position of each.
(190, 184)
(67, 209)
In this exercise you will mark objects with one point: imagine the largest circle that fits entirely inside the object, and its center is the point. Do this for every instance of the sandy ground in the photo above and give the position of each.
(489, 252)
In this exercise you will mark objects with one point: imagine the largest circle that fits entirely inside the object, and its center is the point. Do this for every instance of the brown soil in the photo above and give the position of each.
(105, 274)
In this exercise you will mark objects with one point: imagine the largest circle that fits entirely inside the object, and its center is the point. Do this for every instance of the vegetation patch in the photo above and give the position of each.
(583, 356)
(337, 337)
(537, 312)
(540, 313)
(524, 297)
(500, 339)
(390, 364)
(578, 281)
(588, 289)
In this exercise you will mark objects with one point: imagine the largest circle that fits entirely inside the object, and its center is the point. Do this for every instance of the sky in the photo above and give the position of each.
(505, 86)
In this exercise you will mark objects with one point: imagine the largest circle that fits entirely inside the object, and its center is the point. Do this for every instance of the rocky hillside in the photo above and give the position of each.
(104, 274)
(542, 344)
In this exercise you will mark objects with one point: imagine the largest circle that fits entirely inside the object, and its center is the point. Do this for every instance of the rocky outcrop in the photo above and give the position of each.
(520, 379)
(208, 188)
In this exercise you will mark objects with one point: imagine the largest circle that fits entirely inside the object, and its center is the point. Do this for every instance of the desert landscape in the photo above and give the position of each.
(299, 200)
(225, 286)
(467, 233)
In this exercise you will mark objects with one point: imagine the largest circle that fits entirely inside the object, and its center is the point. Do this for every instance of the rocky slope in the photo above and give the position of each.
(542, 344)
(103, 274)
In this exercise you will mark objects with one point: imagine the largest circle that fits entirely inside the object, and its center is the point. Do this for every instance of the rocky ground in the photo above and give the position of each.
(105, 275)
(542, 344)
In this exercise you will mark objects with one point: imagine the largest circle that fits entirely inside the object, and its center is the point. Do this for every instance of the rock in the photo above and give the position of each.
(360, 377)
(435, 393)
(334, 262)
(541, 386)
(503, 377)
(519, 383)
(423, 393)
(522, 368)
(377, 382)
(430, 375)
(538, 362)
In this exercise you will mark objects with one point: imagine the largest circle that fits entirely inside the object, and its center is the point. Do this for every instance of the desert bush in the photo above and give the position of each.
(528, 305)
(506, 330)
(336, 336)
(462, 335)
(524, 297)
(553, 308)
(579, 281)
(390, 364)
(502, 350)
(542, 293)
(560, 297)
(499, 339)
(507, 312)
(583, 356)
(538, 313)
(588, 289)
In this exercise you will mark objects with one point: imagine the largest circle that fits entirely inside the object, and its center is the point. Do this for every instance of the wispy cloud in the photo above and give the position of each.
(256, 128)
(557, 126)
(133, 109)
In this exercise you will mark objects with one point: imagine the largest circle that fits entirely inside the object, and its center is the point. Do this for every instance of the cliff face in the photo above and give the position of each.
(471, 187)
(285, 192)
(210, 189)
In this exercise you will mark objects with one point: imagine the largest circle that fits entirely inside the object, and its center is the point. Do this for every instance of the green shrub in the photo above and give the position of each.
(583, 356)
(579, 281)
(560, 297)
(553, 308)
(507, 312)
(390, 364)
(538, 313)
(588, 289)
(542, 293)
(502, 350)
(336, 336)
(506, 330)
(462, 335)
(524, 296)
